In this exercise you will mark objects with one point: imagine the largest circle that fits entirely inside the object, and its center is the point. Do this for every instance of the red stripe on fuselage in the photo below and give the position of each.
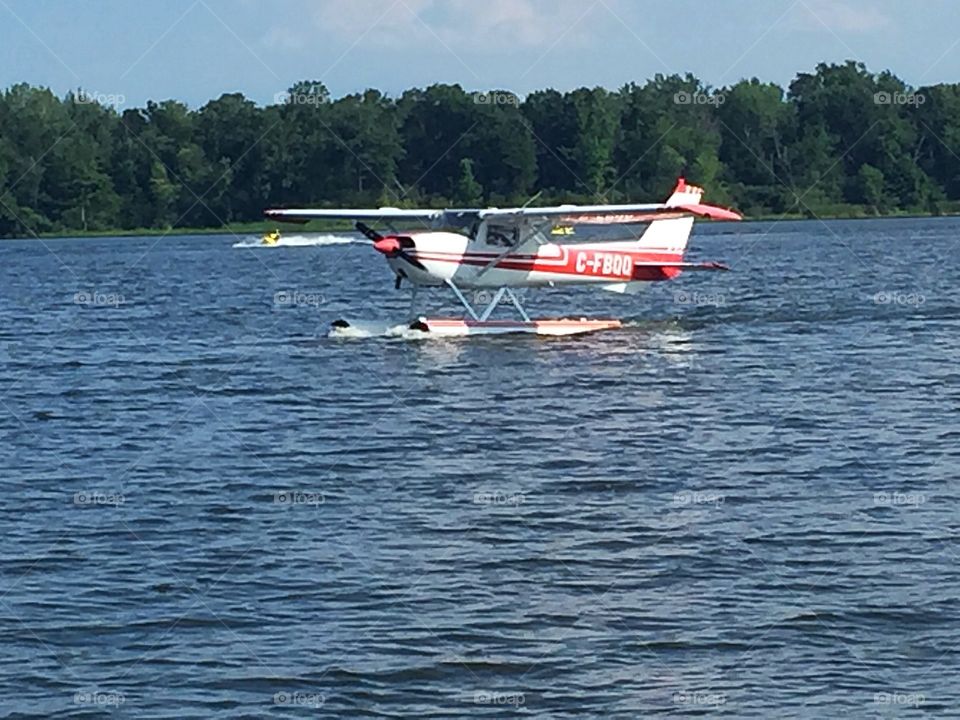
(590, 263)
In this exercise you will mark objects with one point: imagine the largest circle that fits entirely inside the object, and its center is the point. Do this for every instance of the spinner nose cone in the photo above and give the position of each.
(387, 245)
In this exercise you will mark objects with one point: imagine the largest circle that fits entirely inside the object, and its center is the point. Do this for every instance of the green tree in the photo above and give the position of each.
(936, 116)
(553, 131)
(163, 193)
(597, 122)
(363, 148)
(469, 192)
(870, 186)
(754, 124)
(850, 117)
(435, 125)
(669, 129)
(501, 149)
(229, 131)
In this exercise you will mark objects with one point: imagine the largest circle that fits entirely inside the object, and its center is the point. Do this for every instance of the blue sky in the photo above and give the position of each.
(194, 50)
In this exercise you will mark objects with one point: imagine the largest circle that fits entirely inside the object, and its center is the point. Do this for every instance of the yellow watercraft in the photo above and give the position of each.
(271, 238)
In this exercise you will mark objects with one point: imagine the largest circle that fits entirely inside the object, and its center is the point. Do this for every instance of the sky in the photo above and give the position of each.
(196, 50)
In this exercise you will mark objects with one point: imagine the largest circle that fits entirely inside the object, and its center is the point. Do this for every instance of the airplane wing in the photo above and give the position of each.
(611, 214)
(564, 214)
(384, 213)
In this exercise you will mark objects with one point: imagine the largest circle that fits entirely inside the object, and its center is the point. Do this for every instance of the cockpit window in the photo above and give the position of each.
(462, 221)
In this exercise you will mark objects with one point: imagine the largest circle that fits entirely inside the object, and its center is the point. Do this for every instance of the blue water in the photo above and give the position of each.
(742, 505)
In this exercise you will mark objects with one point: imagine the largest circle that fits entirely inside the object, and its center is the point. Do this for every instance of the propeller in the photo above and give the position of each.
(392, 246)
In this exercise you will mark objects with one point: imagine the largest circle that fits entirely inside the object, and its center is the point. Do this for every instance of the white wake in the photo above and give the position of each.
(301, 241)
(376, 329)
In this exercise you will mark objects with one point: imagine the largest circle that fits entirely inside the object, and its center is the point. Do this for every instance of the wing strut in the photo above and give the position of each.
(462, 299)
(492, 305)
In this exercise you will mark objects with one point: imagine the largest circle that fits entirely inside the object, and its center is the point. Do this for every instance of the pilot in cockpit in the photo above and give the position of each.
(499, 238)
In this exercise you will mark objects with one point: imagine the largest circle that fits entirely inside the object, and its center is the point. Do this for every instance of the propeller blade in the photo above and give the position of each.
(369, 232)
(411, 259)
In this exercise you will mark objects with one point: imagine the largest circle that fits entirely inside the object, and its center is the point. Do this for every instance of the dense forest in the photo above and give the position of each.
(840, 140)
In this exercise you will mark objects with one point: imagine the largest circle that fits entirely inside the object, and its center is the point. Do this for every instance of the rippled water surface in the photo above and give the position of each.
(744, 504)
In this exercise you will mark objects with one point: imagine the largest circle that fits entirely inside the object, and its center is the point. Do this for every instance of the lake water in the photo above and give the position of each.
(743, 504)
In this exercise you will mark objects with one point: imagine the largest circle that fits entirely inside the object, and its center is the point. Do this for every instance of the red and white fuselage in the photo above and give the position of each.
(476, 263)
(519, 252)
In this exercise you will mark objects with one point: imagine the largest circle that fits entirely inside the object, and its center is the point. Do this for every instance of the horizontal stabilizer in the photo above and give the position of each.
(684, 266)
(711, 212)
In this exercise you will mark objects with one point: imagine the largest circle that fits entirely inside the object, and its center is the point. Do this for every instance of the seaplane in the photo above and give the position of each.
(500, 250)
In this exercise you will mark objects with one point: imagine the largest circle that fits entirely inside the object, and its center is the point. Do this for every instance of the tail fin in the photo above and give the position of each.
(684, 194)
(670, 236)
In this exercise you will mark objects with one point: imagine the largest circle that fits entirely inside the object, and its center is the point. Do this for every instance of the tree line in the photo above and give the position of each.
(837, 140)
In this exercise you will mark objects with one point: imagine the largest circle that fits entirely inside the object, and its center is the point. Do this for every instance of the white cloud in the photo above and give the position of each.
(524, 23)
(460, 24)
(351, 20)
(858, 17)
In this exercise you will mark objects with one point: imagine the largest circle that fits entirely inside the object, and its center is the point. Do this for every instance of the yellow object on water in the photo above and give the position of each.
(562, 230)
(271, 238)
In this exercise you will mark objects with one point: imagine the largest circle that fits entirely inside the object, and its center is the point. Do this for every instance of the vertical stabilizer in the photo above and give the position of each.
(669, 237)
(684, 194)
